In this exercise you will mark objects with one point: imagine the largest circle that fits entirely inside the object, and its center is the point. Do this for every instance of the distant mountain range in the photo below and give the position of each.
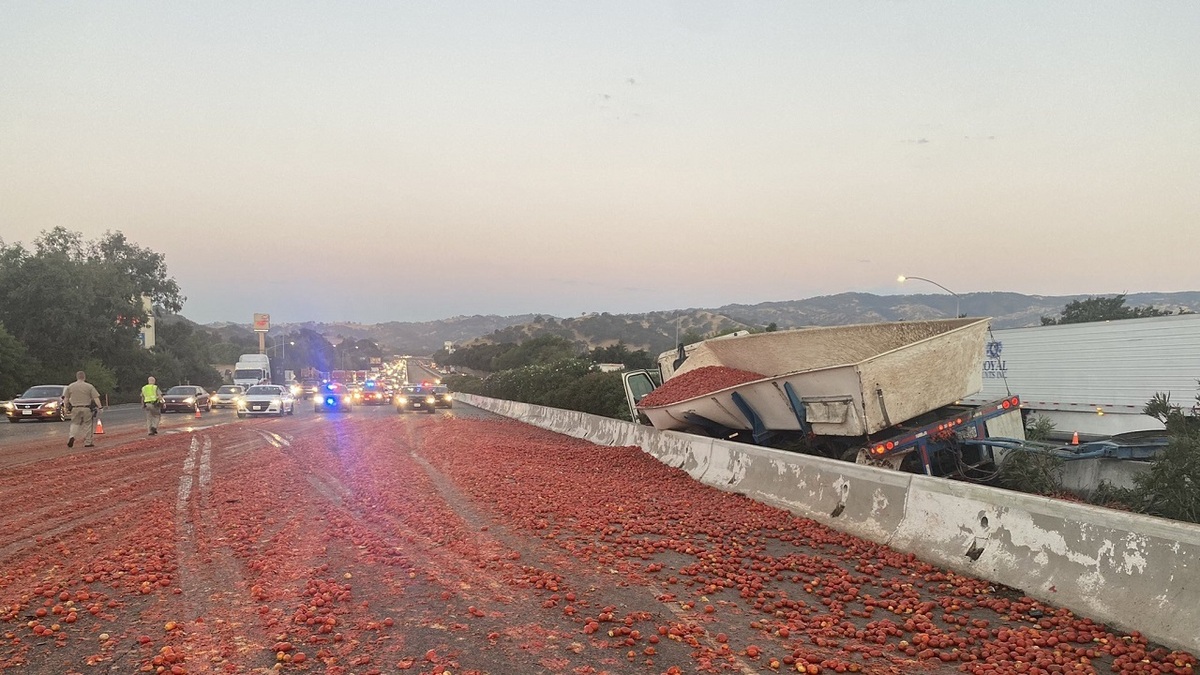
(656, 331)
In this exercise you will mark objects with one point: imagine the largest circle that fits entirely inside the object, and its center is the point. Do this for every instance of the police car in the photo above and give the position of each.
(416, 398)
(332, 397)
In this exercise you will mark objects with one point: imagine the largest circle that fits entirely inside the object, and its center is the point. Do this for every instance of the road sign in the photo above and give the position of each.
(262, 322)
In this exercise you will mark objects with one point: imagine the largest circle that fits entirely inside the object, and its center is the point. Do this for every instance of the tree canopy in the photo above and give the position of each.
(1101, 308)
(67, 304)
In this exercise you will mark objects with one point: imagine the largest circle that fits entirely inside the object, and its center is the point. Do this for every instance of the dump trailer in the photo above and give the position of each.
(887, 394)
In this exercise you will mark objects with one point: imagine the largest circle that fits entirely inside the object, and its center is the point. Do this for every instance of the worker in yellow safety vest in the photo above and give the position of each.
(152, 401)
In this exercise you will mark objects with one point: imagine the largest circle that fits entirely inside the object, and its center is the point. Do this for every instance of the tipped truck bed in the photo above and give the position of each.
(852, 380)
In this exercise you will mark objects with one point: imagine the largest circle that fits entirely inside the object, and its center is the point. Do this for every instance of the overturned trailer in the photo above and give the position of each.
(885, 393)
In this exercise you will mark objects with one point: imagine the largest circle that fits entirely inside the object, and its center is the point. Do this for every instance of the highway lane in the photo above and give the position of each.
(120, 420)
(418, 373)
(128, 420)
(26, 442)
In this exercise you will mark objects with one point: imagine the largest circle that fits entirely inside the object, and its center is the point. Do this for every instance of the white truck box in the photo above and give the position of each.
(252, 369)
(1095, 378)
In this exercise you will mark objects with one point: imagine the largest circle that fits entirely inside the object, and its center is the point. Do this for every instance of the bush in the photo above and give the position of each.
(1039, 428)
(568, 383)
(1171, 487)
(1031, 471)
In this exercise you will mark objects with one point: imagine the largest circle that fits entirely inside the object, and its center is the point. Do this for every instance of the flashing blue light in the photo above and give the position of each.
(331, 401)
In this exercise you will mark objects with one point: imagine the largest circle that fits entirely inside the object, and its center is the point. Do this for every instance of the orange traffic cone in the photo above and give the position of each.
(1075, 438)
(197, 413)
(99, 427)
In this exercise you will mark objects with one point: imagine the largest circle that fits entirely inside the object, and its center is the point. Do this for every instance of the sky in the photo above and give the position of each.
(410, 161)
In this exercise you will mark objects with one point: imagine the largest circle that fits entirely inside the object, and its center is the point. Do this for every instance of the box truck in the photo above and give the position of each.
(252, 369)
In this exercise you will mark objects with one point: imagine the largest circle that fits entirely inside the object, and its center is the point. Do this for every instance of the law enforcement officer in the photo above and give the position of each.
(152, 401)
(83, 402)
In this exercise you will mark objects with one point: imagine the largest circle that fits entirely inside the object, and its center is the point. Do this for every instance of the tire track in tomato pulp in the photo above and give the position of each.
(64, 592)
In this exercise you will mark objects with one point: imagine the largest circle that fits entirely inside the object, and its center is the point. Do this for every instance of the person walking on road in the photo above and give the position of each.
(83, 403)
(152, 401)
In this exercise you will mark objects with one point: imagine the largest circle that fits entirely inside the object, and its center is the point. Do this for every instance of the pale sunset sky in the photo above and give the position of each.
(378, 161)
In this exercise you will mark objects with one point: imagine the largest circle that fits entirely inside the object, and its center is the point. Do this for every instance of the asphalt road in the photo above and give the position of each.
(418, 373)
(370, 541)
(123, 422)
(29, 441)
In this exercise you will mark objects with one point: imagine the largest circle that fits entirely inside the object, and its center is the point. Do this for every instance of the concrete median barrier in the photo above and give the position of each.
(1130, 571)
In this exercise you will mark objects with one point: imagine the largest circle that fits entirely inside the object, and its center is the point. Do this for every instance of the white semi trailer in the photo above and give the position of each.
(1095, 378)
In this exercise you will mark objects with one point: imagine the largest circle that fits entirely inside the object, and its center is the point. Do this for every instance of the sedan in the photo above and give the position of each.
(228, 396)
(186, 398)
(442, 396)
(267, 399)
(43, 402)
(416, 398)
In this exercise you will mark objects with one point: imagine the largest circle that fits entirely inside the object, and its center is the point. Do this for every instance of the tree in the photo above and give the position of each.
(542, 349)
(182, 356)
(16, 367)
(89, 296)
(1168, 487)
(309, 349)
(1101, 308)
(620, 353)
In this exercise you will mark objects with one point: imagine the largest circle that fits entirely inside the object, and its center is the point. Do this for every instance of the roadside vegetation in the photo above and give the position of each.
(69, 304)
(1167, 488)
(547, 370)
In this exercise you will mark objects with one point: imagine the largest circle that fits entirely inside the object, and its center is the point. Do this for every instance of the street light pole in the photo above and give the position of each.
(957, 313)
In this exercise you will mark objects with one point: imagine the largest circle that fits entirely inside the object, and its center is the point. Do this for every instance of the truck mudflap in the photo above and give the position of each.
(949, 434)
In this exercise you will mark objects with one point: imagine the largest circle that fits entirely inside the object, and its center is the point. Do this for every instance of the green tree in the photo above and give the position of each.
(620, 353)
(1101, 308)
(309, 349)
(543, 349)
(1168, 487)
(479, 357)
(16, 367)
(89, 296)
(596, 393)
(182, 352)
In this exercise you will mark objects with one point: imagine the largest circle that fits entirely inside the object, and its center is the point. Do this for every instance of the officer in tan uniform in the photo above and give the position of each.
(83, 402)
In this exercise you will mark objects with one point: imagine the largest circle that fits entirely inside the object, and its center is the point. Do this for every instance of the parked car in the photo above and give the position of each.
(227, 396)
(43, 402)
(332, 397)
(416, 398)
(267, 399)
(186, 398)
